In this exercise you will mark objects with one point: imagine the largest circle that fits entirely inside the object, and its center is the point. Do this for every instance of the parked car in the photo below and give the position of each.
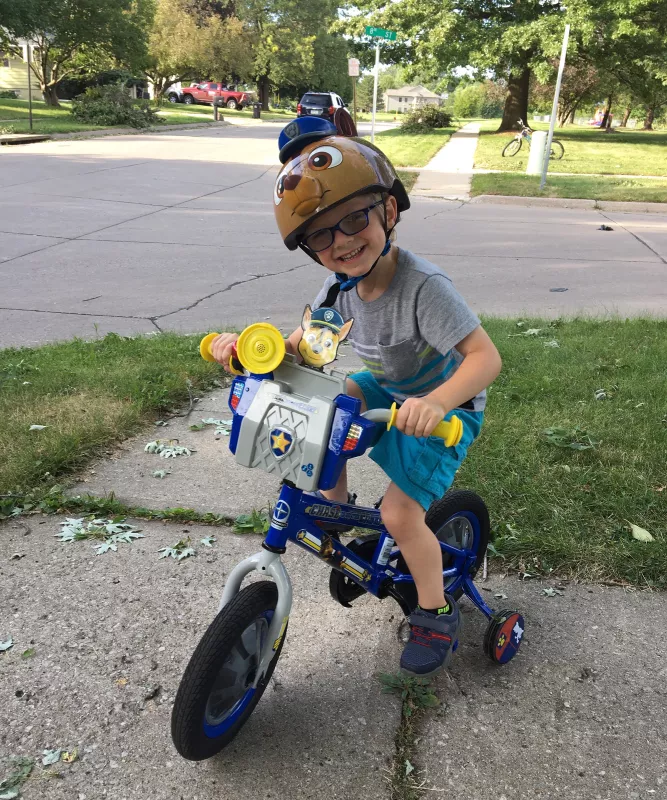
(207, 92)
(319, 104)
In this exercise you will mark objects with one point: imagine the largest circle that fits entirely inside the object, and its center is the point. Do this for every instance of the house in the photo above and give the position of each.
(409, 98)
(14, 76)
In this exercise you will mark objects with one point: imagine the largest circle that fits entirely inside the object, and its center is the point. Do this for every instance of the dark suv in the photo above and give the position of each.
(319, 104)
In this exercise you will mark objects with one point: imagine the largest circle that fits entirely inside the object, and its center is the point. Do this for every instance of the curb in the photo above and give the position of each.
(137, 131)
(561, 202)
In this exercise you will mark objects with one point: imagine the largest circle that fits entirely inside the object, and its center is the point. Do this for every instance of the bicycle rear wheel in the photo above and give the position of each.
(512, 148)
(557, 150)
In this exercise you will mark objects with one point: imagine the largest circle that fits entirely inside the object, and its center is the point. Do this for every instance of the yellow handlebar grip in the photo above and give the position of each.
(450, 430)
(205, 353)
(204, 346)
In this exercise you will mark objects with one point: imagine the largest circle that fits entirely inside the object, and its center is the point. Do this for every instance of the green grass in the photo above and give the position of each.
(408, 178)
(552, 507)
(591, 188)
(411, 149)
(586, 151)
(89, 395)
(275, 115)
(563, 509)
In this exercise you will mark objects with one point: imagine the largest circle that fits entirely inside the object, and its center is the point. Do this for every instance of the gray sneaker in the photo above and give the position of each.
(433, 639)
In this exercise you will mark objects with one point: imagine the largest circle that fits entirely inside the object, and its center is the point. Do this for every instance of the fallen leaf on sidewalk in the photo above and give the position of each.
(29, 653)
(408, 767)
(6, 644)
(167, 449)
(21, 769)
(208, 541)
(179, 551)
(550, 592)
(51, 757)
(69, 756)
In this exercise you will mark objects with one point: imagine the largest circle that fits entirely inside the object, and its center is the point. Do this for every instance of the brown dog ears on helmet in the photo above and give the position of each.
(344, 123)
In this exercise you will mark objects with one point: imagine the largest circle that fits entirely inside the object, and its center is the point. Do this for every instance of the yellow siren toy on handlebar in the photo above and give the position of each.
(296, 421)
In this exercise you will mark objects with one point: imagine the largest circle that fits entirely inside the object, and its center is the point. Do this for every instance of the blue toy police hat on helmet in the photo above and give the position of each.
(300, 132)
(327, 318)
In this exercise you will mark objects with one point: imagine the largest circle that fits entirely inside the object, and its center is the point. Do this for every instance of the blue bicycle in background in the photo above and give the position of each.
(296, 422)
(512, 148)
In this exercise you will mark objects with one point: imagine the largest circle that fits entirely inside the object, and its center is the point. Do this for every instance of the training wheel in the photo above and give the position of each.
(261, 348)
(503, 636)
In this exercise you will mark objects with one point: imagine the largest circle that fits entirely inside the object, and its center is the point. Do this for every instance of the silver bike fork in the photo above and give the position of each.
(266, 563)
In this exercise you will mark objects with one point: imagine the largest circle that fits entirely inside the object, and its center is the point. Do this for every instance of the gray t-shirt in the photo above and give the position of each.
(407, 337)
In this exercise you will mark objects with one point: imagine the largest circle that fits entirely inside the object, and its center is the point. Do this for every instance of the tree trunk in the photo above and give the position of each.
(648, 119)
(607, 112)
(626, 116)
(516, 102)
(572, 113)
(263, 87)
(50, 96)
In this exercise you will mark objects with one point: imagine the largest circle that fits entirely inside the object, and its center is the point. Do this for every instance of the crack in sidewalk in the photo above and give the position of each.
(636, 236)
(227, 289)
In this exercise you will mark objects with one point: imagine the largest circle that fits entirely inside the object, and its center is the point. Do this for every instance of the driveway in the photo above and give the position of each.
(175, 231)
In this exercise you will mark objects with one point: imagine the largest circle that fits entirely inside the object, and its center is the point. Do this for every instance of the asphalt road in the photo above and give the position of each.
(175, 231)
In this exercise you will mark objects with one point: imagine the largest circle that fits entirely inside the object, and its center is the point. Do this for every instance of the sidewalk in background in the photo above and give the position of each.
(449, 172)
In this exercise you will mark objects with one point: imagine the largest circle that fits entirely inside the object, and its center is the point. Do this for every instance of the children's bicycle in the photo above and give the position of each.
(296, 422)
(512, 148)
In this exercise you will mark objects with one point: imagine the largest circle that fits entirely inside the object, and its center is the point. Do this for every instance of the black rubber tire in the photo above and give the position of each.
(232, 105)
(187, 718)
(188, 99)
(172, 97)
(447, 507)
(512, 148)
(557, 150)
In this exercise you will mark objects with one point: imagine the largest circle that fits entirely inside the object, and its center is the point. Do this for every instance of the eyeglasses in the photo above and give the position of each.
(352, 223)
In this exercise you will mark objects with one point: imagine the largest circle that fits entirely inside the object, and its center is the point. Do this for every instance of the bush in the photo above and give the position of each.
(425, 119)
(111, 105)
(9, 94)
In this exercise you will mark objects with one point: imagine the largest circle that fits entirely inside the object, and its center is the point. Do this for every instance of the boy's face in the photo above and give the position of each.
(354, 254)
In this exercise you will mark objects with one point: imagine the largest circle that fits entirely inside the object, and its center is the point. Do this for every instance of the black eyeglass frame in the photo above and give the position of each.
(337, 227)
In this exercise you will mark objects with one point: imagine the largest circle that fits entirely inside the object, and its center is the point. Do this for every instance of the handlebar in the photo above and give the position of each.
(450, 430)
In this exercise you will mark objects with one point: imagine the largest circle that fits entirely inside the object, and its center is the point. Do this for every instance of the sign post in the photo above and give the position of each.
(353, 72)
(377, 33)
(26, 57)
(554, 108)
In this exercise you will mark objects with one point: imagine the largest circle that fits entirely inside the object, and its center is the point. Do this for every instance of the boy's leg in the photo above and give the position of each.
(404, 518)
(339, 493)
(435, 623)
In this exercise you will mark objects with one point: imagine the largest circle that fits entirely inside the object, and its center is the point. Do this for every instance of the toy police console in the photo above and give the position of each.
(287, 417)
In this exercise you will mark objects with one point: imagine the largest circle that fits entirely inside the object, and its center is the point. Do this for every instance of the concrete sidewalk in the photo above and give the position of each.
(578, 715)
(449, 172)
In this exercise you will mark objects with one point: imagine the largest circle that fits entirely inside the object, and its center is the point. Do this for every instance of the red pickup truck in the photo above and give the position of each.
(207, 92)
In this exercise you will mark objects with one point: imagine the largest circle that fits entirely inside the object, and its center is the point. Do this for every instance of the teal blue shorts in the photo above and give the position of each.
(422, 468)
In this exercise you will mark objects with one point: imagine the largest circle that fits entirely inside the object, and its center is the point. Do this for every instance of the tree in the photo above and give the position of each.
(511, 39)
(287, 36)
(581, 81)
(184, 46)
(67, 34)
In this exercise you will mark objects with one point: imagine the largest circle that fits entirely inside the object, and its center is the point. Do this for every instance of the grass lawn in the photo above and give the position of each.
(89, 395)
(587, 150)
(411, 149)
(275, 115)
(553, 507)
(592, 188)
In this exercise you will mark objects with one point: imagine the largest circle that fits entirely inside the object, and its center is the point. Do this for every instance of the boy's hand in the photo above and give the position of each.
(418, 416)
(221, 348)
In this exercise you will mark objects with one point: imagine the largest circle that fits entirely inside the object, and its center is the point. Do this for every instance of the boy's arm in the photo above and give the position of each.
(481, 364)
(292, 342)
(480, 367)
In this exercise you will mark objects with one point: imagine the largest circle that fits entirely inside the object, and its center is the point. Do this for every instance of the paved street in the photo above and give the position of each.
(175, 231)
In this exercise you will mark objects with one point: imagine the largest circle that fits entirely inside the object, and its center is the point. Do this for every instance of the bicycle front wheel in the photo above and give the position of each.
(512, 148)
(557, 150)
(216, 695)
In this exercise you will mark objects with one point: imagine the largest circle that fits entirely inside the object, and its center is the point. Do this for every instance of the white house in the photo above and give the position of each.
(14, 75)
(410, 98)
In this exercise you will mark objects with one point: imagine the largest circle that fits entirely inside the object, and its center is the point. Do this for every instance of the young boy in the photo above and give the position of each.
(339, 199)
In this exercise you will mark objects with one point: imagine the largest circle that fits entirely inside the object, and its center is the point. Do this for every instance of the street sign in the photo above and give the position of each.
(353, 67)
(380, 33)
